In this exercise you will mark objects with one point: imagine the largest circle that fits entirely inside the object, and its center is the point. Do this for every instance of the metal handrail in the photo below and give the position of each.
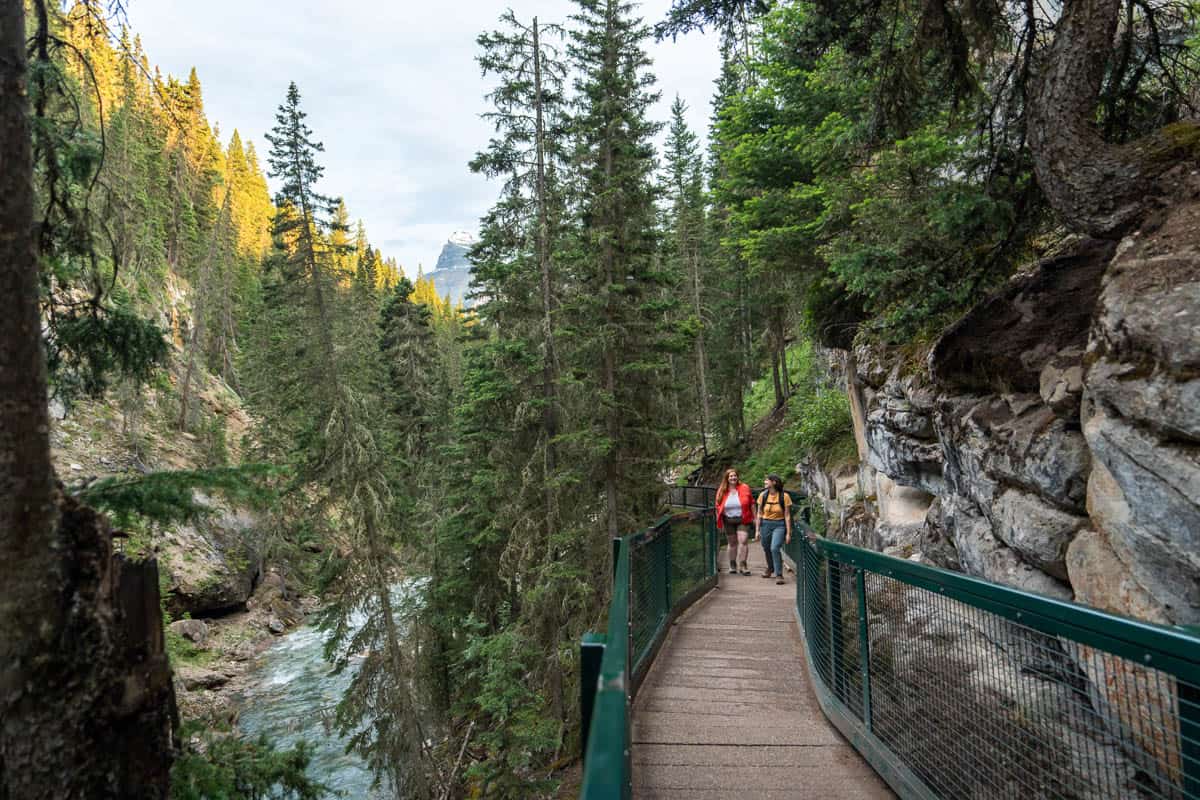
(657, 573)
(951, 686)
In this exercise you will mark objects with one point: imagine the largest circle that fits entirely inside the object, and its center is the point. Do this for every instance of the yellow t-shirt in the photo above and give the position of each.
(769, 506)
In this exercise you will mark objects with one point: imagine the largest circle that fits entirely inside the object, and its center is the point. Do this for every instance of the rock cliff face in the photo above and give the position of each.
(210, 567)
(1050, 440)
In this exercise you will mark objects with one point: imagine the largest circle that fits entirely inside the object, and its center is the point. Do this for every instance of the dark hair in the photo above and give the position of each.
(777, 481)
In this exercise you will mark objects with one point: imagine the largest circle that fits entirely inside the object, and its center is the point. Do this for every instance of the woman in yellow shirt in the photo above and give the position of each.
(774, 526)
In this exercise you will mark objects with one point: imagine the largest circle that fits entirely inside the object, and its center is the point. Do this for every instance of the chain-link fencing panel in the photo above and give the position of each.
(975, 703)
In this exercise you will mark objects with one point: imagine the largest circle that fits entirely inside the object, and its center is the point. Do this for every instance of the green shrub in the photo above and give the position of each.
(515, 729)
(221, 766)
(824, 425)
(818, 423)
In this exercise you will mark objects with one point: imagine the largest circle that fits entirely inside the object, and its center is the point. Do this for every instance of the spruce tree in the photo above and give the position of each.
(324, 395)
(685, 229)
(616, 305)
(303, 220)
(730, 357)
(516, 254)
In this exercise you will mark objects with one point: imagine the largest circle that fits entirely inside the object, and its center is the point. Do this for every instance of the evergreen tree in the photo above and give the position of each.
(616, 305)
(327, 418)
(686, 230)
(515, 257)
(730, 354)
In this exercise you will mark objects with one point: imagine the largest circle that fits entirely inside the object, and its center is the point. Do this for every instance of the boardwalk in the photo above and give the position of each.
(727, 712)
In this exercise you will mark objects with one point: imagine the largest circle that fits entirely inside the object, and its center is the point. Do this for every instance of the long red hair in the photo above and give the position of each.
(723, 488)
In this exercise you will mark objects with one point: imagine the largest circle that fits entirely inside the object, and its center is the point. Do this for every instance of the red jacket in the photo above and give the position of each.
(747, 506)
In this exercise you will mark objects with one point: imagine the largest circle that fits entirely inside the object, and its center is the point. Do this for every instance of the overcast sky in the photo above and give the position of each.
(392, 89)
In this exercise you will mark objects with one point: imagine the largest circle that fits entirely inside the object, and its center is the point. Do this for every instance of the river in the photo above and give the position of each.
(291, 700)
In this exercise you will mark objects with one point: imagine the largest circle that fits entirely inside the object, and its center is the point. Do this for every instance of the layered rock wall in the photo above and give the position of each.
(1050, 440)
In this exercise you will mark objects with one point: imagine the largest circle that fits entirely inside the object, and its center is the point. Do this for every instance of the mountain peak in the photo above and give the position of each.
(452, 273)
(463, 238)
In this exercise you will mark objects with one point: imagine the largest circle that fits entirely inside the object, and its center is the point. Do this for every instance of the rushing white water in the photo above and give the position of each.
(296, 692)
(294, 699)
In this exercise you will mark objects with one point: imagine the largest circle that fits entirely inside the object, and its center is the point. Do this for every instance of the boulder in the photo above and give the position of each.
(211, 564)
(194, 630)
(243, 651)
(1144, 352)
(1144, 494)
(905, 459)
(1038, 532)
(936, 544)
(996, 441)
(1101, 580)
(276, 626)
(872, 366)
(981, 553)
(1142, 406)
(194, 678)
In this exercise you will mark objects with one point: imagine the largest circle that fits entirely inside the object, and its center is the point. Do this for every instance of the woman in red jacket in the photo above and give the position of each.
(735, 515)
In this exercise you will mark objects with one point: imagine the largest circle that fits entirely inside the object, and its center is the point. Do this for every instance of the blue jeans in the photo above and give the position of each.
(773, 531)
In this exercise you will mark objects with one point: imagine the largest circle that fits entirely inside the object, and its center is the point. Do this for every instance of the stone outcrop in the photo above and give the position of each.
(212, 564)
(194, 630)
(452, 273)
(1051, 439)
(1141, 413)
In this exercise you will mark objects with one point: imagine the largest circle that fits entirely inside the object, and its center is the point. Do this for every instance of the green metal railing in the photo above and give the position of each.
(950, 686)
(657, 573)
(954, 687)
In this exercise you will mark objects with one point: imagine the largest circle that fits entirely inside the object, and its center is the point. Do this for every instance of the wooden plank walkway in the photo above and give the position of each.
(727, 710)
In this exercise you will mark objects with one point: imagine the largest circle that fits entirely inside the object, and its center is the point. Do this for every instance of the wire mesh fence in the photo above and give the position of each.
(658, 573)
(691, 496)
(668, 562)
(964, 689)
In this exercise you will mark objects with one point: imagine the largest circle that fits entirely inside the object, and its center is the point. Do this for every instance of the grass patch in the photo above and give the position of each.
(182, 652)
(779, 456)
(817, 423)
(760, 399)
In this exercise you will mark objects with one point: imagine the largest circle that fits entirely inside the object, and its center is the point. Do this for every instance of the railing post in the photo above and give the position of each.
(591, 653)
(836, 671)
(616, 554)
(864, 646)
(627, 786)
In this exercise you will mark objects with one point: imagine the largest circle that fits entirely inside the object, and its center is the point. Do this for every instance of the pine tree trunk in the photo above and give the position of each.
(674, 373)
(201, 289)
(701, 356)
(783, 366)
(775, 372)
(86, 709)
(613, 426)
(549, 359)
(1098, 187)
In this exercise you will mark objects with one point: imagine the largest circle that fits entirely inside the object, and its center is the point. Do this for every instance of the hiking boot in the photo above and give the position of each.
(745, 568)
(779, 581)
(768, 574)
(733, 569)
